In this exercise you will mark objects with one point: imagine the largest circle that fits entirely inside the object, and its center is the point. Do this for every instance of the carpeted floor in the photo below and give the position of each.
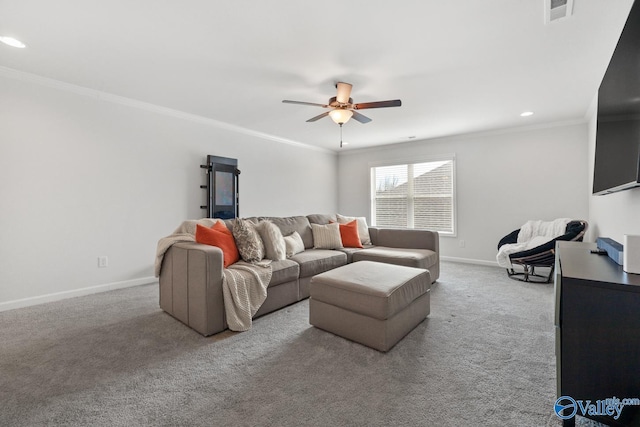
(484, 357)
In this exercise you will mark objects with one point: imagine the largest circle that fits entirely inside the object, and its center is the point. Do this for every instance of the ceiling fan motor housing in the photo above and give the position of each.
(333, 102)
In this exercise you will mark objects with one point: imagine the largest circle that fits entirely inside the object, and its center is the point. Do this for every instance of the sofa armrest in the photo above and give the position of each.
(405, 238)
(191, 286)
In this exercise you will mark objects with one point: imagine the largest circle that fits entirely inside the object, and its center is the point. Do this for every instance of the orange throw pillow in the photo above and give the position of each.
(219, 226)
(219, 236)
(349, 235)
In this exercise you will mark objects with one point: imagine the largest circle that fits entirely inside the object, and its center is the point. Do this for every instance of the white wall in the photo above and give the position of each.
(612, 215)
(503, 179)
(81, 177)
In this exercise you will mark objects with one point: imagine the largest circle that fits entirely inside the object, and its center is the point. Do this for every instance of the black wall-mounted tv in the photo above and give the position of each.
(617, 159)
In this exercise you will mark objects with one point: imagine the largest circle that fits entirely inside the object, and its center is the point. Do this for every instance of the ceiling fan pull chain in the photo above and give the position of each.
(340, 135)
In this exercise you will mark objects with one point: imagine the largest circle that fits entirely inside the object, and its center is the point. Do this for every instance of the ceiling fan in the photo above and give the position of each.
(343, 108)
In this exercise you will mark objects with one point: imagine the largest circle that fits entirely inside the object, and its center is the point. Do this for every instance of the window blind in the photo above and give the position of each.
(414, 195)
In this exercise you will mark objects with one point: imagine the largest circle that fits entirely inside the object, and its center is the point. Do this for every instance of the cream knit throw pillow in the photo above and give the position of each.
(294, 244)
(274, 247)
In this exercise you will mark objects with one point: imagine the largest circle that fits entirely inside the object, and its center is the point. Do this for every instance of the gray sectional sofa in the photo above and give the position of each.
(191, 273)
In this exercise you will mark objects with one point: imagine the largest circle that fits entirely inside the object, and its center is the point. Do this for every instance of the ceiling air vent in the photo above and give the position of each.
(555, 10)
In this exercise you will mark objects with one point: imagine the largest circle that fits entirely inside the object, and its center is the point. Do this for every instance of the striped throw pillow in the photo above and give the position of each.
(326, 236)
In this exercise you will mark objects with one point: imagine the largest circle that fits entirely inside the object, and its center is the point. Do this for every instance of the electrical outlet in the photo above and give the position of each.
(103, 261)
(462, 243)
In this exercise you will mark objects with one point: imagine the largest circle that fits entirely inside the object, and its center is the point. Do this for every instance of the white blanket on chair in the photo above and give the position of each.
(532, 234)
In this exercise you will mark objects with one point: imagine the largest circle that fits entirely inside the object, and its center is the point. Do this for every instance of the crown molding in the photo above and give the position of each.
(146, 106)
(469, 135)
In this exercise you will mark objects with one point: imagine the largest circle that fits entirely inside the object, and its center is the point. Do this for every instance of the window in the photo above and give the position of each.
(414, 195)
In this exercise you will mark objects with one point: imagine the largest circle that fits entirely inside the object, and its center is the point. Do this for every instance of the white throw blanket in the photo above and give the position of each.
(244, 285)
(531, 235)
(185, 233)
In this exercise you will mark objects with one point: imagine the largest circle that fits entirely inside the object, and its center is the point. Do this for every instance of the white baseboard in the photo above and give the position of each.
(58, 296)
(470, 261)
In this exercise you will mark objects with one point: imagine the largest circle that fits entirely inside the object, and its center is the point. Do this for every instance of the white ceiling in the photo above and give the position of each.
(459, 66)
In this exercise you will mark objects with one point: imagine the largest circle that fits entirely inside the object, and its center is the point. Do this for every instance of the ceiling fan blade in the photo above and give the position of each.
(378, 104)
(318, 117)
(360, 117)
(286, 101)
(344, 92)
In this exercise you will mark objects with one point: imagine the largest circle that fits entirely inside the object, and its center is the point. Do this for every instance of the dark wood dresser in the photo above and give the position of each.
(597, 318)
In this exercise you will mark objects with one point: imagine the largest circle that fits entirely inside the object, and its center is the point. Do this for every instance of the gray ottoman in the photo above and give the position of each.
(371, 303)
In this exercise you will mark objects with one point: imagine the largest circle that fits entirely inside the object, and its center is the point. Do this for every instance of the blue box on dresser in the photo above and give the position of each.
(613, 248)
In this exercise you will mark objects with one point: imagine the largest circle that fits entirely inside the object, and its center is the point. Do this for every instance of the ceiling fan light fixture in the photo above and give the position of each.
(340, 116)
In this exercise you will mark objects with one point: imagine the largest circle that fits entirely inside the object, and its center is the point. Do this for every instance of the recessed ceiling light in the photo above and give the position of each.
(12, 42)
(526, 114)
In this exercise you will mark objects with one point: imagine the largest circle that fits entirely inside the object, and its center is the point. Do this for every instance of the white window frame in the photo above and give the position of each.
(412, 161)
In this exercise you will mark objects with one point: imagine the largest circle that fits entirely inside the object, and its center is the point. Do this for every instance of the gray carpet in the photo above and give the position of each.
(485, 356)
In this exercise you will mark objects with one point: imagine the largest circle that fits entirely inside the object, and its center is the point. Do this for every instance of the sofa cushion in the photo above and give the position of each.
(290, 224)
(321, 218)
(284, 271)
(405, 238)
(316, 261)
(229, 222)
(350, 251)
(420, 258)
